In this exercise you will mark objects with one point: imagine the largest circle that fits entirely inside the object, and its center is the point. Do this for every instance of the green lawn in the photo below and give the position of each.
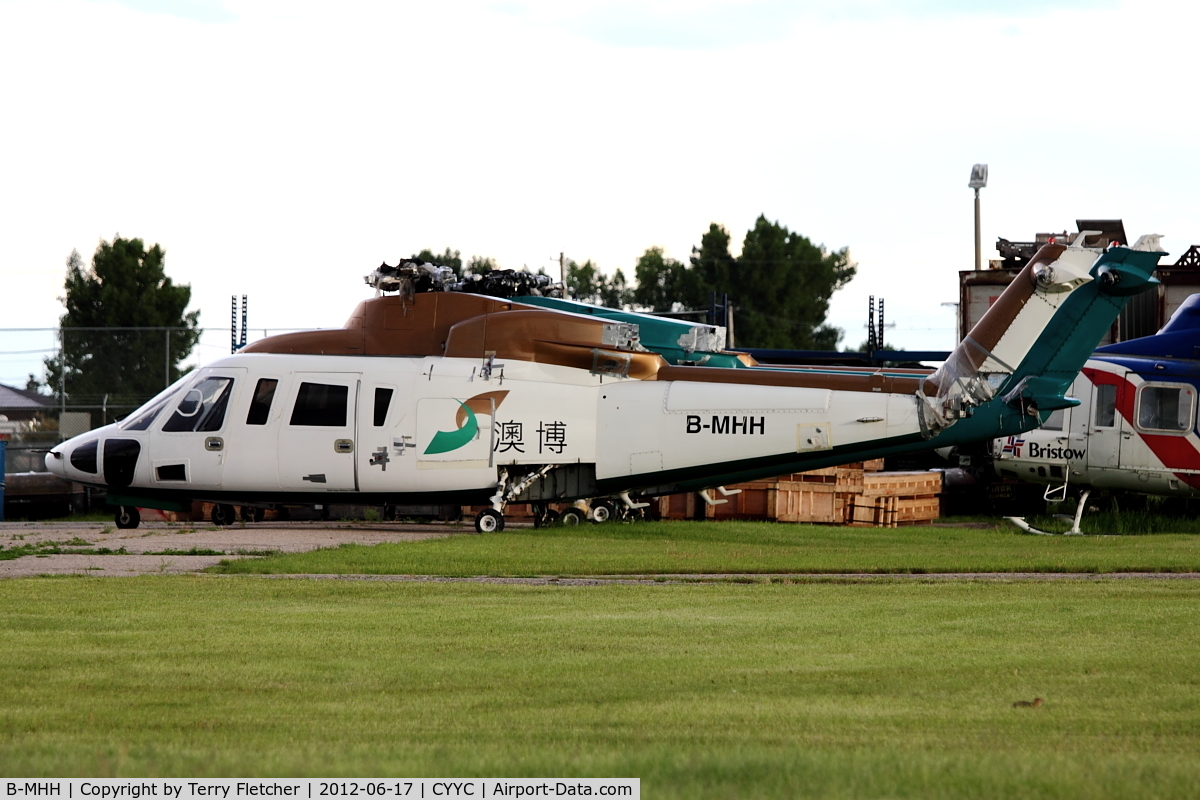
(756, 547)
(891, 689)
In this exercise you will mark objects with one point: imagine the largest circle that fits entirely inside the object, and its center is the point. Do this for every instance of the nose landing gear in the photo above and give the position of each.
(127, 517)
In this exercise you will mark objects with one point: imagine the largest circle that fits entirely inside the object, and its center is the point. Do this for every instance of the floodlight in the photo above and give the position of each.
(978, 176)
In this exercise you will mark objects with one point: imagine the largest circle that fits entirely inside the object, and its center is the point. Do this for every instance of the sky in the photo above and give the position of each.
(282, 149)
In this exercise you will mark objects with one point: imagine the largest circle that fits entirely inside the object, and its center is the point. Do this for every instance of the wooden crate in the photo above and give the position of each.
(892, 511)
(847, 477)
(513, 512)
(800, 502)
(890, 499)
(756, 500)
(901, 484)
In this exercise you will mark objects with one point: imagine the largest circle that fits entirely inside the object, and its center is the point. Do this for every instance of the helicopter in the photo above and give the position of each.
(1135, 428)
(495, 389)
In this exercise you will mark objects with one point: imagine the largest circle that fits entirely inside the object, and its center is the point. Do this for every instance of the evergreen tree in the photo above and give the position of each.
(779, 286)
(125, 287)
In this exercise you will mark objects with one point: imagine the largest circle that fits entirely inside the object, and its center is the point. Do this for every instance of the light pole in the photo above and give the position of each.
(978, 181)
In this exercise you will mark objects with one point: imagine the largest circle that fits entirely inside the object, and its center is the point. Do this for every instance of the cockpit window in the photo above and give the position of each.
(202, 408)
(144, 417)
(1165, 408)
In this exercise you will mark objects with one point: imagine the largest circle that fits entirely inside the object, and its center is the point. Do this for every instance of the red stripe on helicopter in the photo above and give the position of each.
(1175, 452)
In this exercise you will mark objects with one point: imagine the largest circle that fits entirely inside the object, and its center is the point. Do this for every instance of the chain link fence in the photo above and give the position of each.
(109, 373)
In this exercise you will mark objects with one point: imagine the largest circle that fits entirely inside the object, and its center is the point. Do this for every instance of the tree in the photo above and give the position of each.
(779, 286)
(126, 287)
(586, 283)
(450, 258)
(481, 265)
(712, 266)
(661, 282)
(783, 286)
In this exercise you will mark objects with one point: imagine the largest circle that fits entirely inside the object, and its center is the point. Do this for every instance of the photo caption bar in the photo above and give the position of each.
(318, 788)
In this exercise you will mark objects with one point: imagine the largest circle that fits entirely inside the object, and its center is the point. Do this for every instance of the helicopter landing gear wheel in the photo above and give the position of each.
(603, 511)
(489, 521)
(223, 514)
(571, 517)
(632, 515)
(127, 517)
(544, 517)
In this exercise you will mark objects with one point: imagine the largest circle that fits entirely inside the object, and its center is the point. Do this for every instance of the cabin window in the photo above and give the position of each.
(1106, 405)
(320, 405)
(260, 404)
(383, 399)
(1165, 407)
(1055, 421)
(171, 472)
(202, 407)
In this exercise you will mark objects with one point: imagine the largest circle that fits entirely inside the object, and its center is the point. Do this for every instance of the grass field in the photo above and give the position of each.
(847, 690)
(754, 547)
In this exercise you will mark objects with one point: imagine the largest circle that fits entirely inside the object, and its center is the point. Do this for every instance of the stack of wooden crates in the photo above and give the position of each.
(852, 494)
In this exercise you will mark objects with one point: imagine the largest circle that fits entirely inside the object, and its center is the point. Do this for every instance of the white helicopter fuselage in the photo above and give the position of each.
(1135, 429)
(370, 425)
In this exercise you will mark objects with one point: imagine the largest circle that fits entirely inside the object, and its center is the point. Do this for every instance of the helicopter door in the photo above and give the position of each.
(1108, 426)
(191, 447)
(385, 428)
(1163, 414)
(318, 433)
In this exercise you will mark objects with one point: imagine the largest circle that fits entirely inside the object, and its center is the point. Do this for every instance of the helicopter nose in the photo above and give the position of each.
(79, 460)
(55, 463)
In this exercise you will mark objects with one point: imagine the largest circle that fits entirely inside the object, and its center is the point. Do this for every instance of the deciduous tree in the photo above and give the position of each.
(586, 283)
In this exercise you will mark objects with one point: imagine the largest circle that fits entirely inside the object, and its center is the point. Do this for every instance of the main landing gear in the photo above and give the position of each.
(223, 514)
(489, 521)
(1056, 494)
(128, 517)
(605, 509)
